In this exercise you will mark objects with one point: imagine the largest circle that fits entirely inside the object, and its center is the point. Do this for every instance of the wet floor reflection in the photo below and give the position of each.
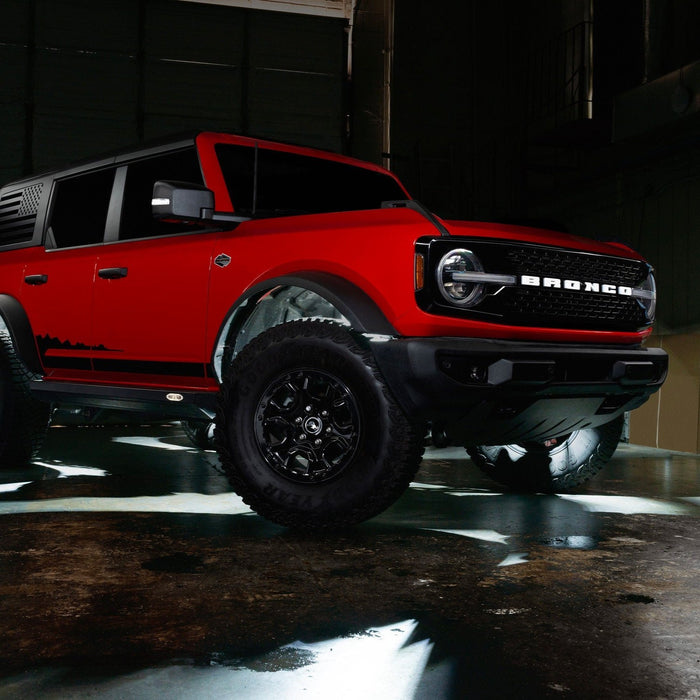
(378, 662)
(124, 547)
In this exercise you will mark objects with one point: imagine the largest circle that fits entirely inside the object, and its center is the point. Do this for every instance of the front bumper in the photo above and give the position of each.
(476, 391)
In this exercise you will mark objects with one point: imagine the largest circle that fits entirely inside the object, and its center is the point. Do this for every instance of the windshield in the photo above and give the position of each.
(290, 183)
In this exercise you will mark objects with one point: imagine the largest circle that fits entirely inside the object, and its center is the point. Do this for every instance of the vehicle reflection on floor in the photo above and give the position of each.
(438, 597)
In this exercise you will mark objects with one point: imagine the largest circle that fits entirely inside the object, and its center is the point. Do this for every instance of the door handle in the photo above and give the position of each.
(113, 273)
(36, 279)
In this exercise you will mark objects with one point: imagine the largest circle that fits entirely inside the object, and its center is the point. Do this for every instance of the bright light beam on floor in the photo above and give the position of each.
(9, 488)
(515, 558)
(378, 663)
(143, 441)
(627, 505)
(65, 470)
(484, 535)
(220, 504)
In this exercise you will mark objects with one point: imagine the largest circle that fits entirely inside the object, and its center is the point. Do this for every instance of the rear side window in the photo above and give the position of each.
(289, 183)
(137, 219)
(18, 210)
(79, 211)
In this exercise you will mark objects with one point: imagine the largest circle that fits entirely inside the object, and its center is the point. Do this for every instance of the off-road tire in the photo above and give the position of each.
(23, 419)
(556, 468)
(314, 374)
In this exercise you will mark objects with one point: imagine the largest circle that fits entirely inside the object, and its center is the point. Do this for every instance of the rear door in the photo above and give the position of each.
(57, 287)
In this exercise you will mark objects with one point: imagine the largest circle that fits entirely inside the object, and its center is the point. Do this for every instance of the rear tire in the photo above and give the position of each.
(23, 419)
(560, 465)
(307, 432)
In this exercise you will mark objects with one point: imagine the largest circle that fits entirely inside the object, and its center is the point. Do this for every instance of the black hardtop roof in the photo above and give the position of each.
(128, 153)
(147, 148)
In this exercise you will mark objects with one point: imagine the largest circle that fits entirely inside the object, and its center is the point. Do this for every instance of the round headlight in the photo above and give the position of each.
(452, 278)
(646, 296)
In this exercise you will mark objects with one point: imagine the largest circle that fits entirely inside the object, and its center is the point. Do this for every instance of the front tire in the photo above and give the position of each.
(308, 433)
(553, 465)
(23, 419)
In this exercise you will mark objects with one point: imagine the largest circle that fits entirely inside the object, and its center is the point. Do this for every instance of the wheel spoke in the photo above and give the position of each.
(308, 425)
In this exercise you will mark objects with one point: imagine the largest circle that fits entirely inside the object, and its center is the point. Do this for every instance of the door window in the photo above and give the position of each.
(79, 211)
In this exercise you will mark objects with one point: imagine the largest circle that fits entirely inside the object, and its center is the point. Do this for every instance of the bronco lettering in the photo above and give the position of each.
(575, 285)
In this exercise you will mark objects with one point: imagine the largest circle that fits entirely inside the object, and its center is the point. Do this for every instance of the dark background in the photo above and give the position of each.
(582, 115)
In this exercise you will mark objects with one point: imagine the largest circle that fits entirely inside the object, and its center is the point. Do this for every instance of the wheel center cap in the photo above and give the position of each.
(313, 425)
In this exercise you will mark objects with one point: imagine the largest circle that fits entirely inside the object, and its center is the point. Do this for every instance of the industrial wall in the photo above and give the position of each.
(578, 114)
(81, 77)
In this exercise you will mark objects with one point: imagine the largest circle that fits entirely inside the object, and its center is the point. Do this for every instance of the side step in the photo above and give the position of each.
(172, 402)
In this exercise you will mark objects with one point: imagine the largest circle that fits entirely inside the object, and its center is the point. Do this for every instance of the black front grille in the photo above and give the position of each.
(564, 307)
(542, 306)
(559, 307)
(554, 262)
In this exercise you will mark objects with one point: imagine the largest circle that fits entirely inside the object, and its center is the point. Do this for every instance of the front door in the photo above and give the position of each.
(151, 285)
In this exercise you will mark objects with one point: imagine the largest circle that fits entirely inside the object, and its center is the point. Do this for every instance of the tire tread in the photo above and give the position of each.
(406, 444)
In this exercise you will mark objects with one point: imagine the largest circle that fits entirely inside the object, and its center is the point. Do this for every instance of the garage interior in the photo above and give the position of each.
(128, 569)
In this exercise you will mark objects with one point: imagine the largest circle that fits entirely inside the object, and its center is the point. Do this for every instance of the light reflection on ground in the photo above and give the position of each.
(8, 488)
(158, 443)
(380, 662)
(515, 558)
(628, 505)
(383, 662)
(65, 470)
(219, 504)
(484, 535)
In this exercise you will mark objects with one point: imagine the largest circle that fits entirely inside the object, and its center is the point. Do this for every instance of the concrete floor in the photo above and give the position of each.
(127, 570)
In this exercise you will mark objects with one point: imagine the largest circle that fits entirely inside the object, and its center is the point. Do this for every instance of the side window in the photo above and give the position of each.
(137, 220)
(79, 211)
(292, 183)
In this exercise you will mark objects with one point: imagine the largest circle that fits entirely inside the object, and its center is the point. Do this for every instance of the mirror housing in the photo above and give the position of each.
(182, 201)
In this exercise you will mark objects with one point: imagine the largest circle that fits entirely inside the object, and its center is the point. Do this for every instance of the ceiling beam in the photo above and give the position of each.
(340, 9)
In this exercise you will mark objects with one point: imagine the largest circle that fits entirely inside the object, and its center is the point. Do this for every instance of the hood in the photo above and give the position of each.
(509, 232)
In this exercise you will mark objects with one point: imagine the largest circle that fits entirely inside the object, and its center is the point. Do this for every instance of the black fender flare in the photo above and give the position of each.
(17, 322)
(352, 302)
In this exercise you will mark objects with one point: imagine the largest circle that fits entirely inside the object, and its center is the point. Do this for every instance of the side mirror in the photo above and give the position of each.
(184, 201)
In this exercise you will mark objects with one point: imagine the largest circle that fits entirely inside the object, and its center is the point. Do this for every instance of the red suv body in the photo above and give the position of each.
(189, 275)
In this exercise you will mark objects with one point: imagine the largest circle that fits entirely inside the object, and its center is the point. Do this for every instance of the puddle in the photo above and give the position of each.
(635, 598)
(178, 563)
(571, 542)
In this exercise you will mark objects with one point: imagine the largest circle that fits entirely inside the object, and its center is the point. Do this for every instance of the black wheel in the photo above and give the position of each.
(23, 419)
(200, 434)
(558, 464)
(307, 432)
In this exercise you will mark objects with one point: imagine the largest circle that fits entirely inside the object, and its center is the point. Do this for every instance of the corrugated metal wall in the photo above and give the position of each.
(655, 208)
(79, 77)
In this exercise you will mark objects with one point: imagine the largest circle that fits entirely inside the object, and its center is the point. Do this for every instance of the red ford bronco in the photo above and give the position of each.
(322, 317)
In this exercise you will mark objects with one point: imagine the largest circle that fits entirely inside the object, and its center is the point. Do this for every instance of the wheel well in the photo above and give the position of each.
(290, 299)
(14, 320)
